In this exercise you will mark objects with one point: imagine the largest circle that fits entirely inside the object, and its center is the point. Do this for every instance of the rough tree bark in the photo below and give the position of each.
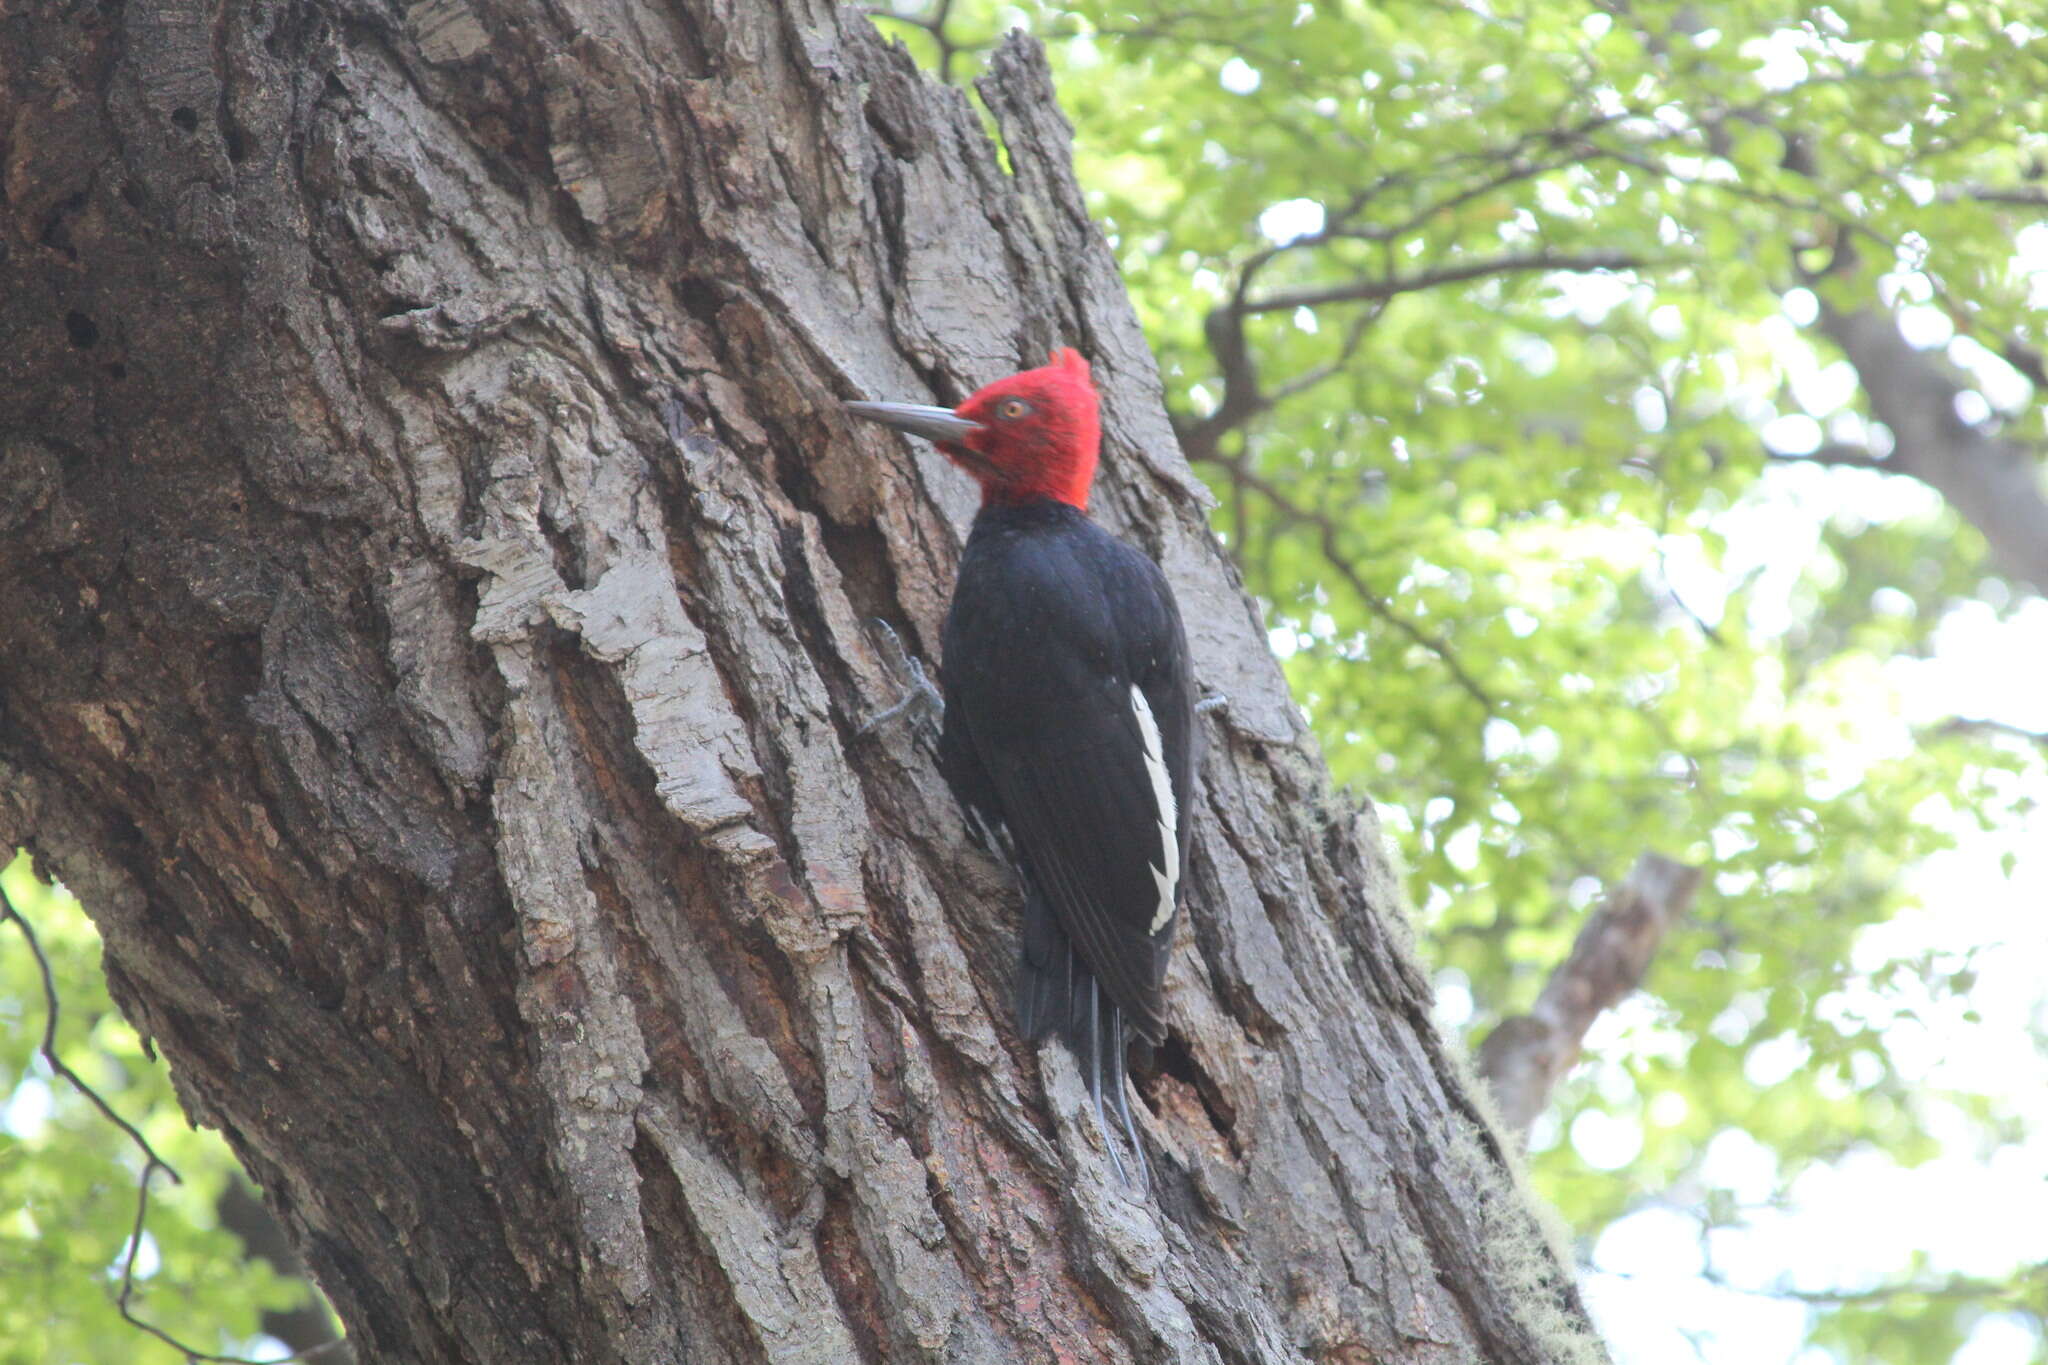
(433, 591)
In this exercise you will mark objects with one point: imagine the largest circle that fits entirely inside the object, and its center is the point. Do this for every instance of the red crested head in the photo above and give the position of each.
(1033, 435)
(1038, 433)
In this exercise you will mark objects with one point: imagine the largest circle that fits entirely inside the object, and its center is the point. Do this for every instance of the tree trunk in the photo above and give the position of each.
(434, 585)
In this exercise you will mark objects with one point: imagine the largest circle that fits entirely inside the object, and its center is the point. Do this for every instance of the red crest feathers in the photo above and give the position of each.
(1072, 361)
(1047, 449)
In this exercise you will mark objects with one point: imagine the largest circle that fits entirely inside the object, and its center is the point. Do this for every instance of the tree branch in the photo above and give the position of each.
(1991, 481)
(1838, 455)
(306, 1328)
(1984, 725)
(1963, 1287)
(2024, 196)
(934, 24)
(1369, 290)
(1526, 1055)
(1201, 440)
(1243, 396)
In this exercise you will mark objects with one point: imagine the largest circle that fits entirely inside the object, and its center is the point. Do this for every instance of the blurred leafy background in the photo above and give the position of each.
(69, 1178)
(1628, 415)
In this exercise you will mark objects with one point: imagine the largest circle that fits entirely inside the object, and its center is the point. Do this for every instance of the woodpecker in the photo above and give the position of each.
(1069, 716)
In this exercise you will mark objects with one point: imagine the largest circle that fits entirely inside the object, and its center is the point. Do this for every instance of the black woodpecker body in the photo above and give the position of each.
(1069, 716)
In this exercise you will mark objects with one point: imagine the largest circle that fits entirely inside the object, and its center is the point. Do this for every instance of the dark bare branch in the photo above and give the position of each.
(2018, 196)
(1369, 290)
(935, 24)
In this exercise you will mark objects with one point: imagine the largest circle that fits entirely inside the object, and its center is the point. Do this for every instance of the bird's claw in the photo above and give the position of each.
(920, 693)
(1215, 701)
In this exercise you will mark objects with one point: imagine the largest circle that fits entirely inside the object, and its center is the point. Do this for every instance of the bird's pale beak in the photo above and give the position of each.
(934, 424)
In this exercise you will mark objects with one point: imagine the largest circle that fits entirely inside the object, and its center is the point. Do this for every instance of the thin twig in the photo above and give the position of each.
(1836, 455)
(935, 25)
(1960, 1287)
(1664, 566)
(1333, 552)
(1353, 335)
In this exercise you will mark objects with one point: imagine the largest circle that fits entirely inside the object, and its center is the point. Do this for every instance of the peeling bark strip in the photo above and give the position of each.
(433, 595)
(1525, 1056)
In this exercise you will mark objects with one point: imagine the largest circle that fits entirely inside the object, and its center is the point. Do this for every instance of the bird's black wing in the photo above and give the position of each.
(1072, 810)
(961, 766)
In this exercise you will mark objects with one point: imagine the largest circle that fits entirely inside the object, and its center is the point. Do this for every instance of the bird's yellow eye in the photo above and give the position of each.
(1010, 409)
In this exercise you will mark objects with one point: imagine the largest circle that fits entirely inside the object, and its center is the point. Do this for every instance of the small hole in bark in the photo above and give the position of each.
(85, 333)
(133, 195)
(1173, 1059)
(117, 371)
(185, 118)
(56, 233)
(238, 145)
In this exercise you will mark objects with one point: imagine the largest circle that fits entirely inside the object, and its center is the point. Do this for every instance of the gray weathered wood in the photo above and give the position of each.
(434, 589)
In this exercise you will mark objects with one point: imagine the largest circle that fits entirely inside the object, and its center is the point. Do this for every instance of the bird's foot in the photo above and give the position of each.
(1215, 701)
(920, 695)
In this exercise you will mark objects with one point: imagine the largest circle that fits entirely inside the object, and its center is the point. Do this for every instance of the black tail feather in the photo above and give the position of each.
(1057, 992)
(1102, 1041)
(1045, 972)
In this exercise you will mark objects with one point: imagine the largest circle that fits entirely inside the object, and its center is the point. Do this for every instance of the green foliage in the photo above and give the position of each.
(1515, 287)
(68, 1176)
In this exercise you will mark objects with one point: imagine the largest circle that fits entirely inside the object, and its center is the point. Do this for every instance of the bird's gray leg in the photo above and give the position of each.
(1215, 701)
(920, 695)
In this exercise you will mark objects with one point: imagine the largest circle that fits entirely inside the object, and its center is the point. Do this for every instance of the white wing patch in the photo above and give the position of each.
(1169, 814)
